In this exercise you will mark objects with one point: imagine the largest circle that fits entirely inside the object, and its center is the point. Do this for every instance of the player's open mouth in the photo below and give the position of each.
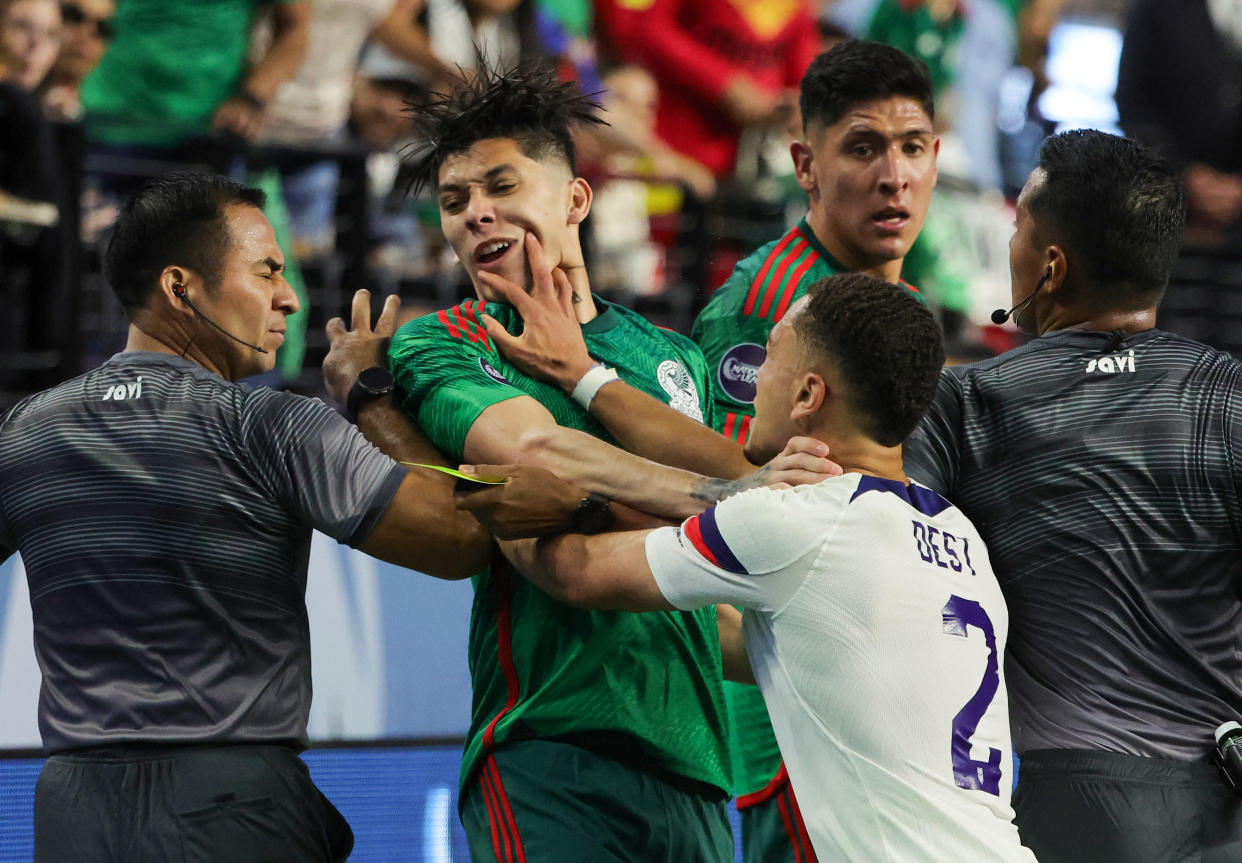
(492, 251)
(891, 218)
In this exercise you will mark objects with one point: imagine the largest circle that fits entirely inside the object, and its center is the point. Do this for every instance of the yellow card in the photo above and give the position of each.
(456, 473)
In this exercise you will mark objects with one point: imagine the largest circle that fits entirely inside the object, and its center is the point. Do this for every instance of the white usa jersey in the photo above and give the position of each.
(876, 631)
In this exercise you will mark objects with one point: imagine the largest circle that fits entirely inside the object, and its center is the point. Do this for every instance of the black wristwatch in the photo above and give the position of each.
(593, 515)
(370, 384)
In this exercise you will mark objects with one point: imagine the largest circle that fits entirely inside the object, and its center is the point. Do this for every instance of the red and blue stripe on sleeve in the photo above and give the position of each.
(704, 535)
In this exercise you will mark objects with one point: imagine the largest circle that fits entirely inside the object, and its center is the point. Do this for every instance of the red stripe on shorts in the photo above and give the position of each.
(808, 850)
(789, 828)
(500, 842)
(510, 821)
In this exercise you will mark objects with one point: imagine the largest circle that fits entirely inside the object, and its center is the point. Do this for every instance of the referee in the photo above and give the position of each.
(164, 515)
(1102, 464)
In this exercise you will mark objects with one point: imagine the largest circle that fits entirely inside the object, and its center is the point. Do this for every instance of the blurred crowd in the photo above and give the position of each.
(310, 100)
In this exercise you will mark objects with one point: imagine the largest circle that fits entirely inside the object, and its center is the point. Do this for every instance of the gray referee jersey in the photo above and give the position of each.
(164, 517)
(1106, 485)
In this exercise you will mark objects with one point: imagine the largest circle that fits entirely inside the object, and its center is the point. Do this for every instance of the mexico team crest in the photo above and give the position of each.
(682, 393)
(738, 372)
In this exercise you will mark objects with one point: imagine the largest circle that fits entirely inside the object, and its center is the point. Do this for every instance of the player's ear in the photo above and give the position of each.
(809, 398)
(580, 197)
(804, 162)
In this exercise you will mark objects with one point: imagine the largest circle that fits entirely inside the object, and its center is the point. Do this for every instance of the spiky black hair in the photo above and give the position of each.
(527, 103)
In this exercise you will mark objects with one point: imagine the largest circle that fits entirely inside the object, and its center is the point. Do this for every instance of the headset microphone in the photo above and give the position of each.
(180, 293)
(1000, 315)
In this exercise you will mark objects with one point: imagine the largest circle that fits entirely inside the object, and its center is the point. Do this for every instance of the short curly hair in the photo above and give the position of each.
(884, 342)
(527, 103)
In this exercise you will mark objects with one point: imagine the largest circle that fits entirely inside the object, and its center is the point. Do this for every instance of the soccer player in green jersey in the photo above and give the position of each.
(867, 162)
(594, 735)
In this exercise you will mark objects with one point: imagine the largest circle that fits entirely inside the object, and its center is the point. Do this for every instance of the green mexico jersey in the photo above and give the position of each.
(539, 668)
(733, 332)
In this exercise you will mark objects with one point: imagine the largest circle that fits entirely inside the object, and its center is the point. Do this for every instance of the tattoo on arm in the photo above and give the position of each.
(713, 490)
(577, 299)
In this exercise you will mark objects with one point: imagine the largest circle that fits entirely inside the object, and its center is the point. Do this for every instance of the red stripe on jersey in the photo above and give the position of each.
(730, 419)
(775, 786)
(792, 288)
(778, 278)
(808, 850)
(504, 645)
(472, 330)
(500, 841)
(696, 539)
(909, 287)
(442, 317)
(744, 432)
(472, 311)
(757, 284)
(506, 809)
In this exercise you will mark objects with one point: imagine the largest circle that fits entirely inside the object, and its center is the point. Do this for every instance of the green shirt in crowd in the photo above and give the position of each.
(171, 65)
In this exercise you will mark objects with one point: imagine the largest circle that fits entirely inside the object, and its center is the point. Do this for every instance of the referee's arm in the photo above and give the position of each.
(421, 528)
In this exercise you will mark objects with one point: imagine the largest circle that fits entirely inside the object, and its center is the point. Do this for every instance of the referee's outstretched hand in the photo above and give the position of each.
(358, 347)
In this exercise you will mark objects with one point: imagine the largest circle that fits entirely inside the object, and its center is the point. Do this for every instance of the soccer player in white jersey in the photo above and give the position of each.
(873, 624)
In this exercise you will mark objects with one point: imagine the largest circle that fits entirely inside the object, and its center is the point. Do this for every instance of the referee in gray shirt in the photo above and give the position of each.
(164, 515)
(1102, 463)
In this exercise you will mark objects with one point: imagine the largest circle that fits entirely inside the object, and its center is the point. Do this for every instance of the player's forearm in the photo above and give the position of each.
(593, 464)
(734, 660)
(423, 529)
(608, 571)
(392, 432)
(290, 40)
(649, 428)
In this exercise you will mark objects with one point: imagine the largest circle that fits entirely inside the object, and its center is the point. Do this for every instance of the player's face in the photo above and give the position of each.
(253, 299)
(869, 177)
(492, 195)
(1027, 259)
(775, 387)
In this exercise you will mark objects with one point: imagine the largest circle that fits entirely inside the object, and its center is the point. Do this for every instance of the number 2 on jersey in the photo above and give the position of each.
(957, 616)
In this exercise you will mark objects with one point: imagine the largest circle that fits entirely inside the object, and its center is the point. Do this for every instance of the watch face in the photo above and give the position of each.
(592, 515)
(375, 379)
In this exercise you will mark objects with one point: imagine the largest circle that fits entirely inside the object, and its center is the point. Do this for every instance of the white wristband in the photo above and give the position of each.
(586, 388)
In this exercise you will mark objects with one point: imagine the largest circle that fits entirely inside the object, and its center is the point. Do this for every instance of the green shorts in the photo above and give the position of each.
(772, 827)
(549, 801)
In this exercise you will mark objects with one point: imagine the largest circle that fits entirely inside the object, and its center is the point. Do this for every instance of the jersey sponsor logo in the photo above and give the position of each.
(738, 371)
(1112, 365)
(683, 395)
(121, 392)
(492, 372)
